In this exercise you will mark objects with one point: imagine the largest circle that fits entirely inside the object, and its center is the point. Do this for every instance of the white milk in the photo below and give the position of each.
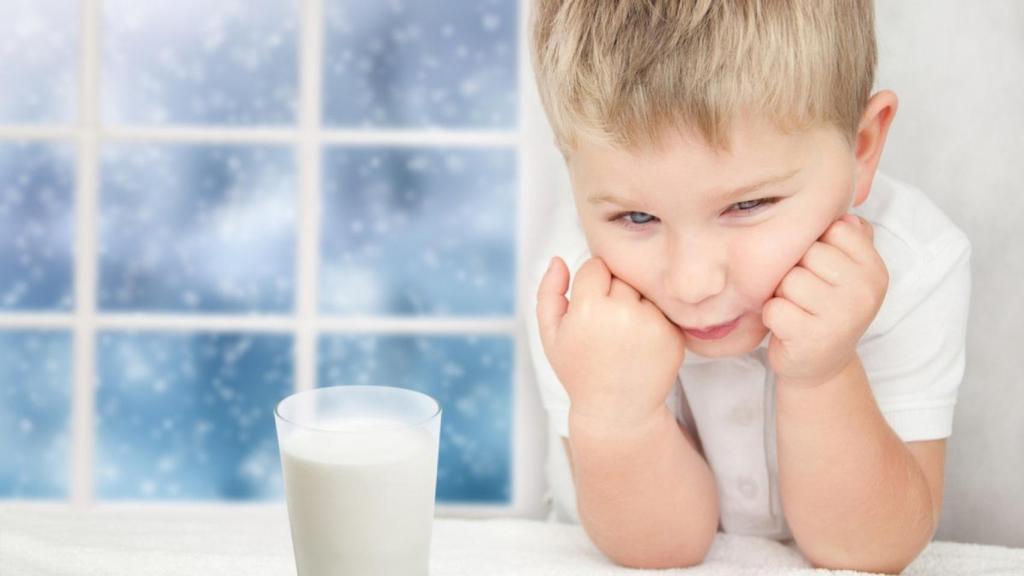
(361, 502)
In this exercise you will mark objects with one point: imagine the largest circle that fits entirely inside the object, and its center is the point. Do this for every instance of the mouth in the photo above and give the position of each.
(713, 332)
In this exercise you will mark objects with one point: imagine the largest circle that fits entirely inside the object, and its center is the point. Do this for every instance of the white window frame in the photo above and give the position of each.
(304, 324)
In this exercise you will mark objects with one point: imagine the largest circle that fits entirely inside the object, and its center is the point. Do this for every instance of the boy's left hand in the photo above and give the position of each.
(825, 304)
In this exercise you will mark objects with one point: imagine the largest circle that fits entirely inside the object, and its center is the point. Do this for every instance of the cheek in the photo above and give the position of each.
(627, 264)
(765, 261)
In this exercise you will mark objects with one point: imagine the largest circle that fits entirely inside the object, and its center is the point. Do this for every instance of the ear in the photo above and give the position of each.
(874, 126)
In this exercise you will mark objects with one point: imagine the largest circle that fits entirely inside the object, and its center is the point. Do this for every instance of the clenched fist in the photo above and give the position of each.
(824, 305)
(613, 350)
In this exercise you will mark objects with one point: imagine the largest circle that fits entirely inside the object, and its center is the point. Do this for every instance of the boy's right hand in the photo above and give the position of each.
(613, 350)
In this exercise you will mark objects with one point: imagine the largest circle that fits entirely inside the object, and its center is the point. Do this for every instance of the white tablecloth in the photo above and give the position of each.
(255, 541)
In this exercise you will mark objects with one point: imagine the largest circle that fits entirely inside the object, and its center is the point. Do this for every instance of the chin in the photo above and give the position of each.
(743, 340)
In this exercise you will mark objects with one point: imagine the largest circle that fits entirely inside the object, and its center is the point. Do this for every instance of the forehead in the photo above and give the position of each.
(754, 146)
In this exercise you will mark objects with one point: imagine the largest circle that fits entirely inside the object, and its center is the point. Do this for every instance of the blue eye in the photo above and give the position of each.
(639, 217)
(633, 220)
(751, 205)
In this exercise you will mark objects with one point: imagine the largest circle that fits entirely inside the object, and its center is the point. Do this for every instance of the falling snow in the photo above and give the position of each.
(36, 183)
(222, 245)
(38, 47)
(394, 61)
(193, 228)
(35, 408)
(455, 254)
(181, 446)
(197, 62)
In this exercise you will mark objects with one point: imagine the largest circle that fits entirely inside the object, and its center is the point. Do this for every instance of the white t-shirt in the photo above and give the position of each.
(913, 353)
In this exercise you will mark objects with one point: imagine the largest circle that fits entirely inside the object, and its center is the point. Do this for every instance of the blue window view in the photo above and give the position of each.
(189, 416)
(197, 228)
(35, 404)
(417, 63)
(418, 232)
(231, 62)
(38, 61)
(185, 230)
(36, 226)
(470, 376)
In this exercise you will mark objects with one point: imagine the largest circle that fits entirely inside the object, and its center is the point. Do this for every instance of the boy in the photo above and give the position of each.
(762, 334)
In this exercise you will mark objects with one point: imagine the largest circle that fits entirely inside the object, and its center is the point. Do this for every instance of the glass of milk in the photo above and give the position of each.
(360, 470)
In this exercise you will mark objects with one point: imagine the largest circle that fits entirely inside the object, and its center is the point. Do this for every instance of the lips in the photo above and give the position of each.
(713, 332)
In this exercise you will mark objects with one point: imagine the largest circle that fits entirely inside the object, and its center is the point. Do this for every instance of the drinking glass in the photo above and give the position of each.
(360, 472)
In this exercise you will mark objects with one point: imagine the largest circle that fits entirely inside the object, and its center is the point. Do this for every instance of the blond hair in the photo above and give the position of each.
(624, 71)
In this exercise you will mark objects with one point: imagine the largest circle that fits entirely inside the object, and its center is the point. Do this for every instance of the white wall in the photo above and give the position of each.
(958, 69)
(958, 135)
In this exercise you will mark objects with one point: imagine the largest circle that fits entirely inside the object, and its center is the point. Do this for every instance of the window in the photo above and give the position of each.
(208, 206)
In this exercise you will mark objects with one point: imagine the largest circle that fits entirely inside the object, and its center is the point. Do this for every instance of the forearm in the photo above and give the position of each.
(853, 494)
(645, 496)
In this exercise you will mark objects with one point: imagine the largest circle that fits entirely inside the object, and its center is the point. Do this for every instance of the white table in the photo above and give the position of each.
(223, 540)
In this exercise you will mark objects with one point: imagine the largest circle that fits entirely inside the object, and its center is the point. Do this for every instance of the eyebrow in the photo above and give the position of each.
(728, 196)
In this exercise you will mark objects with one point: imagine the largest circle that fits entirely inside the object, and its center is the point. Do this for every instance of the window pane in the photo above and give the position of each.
(420, 63)
(38, 61)
(35, 412)
(182, 416)
(471, 377)
(418, 232)
(196, 62)
(36, 226)
(197, 228)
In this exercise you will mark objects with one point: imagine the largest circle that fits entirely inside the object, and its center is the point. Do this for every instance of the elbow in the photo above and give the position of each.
(888, 551)
(872, 565)
(656, 554)
(868, 561)
(647, 560)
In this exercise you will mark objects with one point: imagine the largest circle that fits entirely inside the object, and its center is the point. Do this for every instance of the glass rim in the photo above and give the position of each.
(397, 425)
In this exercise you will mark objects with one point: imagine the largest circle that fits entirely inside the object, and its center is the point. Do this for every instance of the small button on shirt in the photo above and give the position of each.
(913, 353)
(729, 403)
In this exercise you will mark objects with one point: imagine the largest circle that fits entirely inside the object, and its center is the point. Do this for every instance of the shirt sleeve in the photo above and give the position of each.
(915, 364)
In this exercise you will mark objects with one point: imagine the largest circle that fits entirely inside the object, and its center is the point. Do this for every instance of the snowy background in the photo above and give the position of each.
(194, 230)
(191, 229)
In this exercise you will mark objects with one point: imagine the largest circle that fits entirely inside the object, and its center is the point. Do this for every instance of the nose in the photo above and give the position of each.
(696, 269)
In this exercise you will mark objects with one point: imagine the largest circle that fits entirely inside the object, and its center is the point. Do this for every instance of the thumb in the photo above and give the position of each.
(551, 301)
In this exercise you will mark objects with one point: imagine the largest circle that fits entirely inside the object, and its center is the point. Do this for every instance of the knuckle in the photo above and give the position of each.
(583, 271)
(581, 308)
(621, 314)
(883, 274)
(787, 284)
(594, 263)
(821, 332)
(784, 283)
(802, 273)
(867, 293)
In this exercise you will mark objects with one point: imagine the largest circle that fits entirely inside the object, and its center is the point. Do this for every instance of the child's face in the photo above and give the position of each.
(704, 258)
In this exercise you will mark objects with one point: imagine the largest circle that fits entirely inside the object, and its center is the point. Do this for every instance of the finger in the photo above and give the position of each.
(592, 279)
(784, 319)
(859, 222)
(551, 302)
(850, 238)
(805, 289)
(620, 290)
(827, 262)
(867, 227)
